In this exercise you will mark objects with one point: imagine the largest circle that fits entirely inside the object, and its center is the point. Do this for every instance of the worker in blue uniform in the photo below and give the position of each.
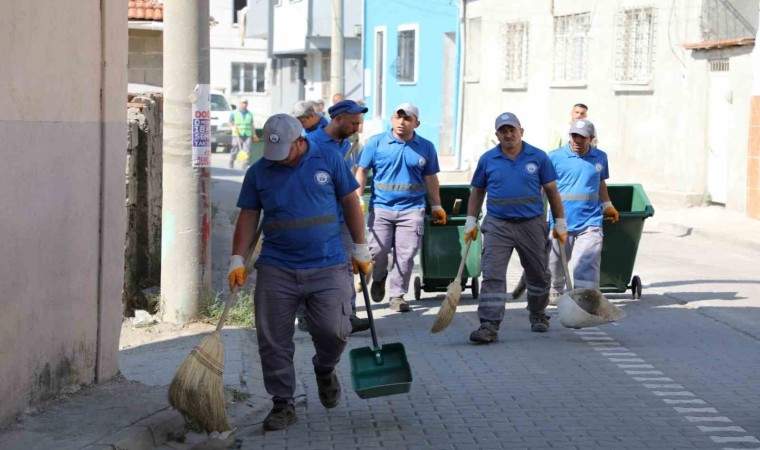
(513, 174)
(581, 170)
(405, 169)
(299, 188)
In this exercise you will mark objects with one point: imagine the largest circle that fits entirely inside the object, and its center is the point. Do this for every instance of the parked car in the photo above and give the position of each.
(221, 131)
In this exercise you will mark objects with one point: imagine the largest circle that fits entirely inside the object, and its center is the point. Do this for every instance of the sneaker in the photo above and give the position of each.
(539, 322)
(329, 389)
(281, 415)
(398, 304)
(377, 291)
(358, 324)
(553, 297)
(486, 334)
(302, 325)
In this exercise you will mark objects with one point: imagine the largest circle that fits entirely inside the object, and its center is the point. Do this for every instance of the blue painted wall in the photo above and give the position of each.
(433, 18)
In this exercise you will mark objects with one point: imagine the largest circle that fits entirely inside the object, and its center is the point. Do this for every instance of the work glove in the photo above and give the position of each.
(255, 138)
(470, 229)
(610, 213)
(236, 131)
(236, 274)
(560, 230)
(439, 214)
(361, 259)
(363, 205)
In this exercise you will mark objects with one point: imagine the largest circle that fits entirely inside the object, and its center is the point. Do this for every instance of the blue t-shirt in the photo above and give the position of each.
(322, 122)
(513, 188)
(399, 169)
(578, 184)
(300, 205)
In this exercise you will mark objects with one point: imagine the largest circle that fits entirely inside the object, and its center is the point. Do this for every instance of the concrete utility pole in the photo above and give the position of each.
(337, 80)
(185, 217)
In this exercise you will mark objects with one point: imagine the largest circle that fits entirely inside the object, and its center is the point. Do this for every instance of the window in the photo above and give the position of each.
(325, 69)
(248, 77)
(237, 5)
(472, 68)
(406, 61)
(293, 70)
(514, 37)
(571, 47)
(634, 45)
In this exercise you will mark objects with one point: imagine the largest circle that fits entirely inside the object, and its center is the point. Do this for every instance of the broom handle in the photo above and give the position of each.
(464, 260)
(234, 293)
(369, 309)
(563, 257)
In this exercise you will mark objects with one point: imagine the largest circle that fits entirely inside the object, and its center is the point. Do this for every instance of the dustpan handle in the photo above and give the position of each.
(248, 256)
(563, 257)
(369, 309)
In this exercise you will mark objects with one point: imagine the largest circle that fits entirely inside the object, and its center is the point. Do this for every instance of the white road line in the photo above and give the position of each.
(644, 372)
(618, 353)
(606, 348)
(691, 401)
(597, 338)
(708, 419)
(652, 378)
(639, 360)
(675, 393)
(663, 386)
(733, 429)
(635, 366)
(732, 439)
(695, 410)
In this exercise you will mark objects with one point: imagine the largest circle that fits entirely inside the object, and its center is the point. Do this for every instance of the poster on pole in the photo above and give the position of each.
(201, 126)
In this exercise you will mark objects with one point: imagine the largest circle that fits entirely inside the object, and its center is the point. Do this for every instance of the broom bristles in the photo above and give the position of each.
(197, 390)
(448, 307)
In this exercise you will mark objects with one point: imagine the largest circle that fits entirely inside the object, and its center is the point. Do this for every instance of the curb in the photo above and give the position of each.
(145, 434)
(726, 238)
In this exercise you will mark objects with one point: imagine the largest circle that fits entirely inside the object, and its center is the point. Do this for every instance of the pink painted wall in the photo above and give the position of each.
(62, 196)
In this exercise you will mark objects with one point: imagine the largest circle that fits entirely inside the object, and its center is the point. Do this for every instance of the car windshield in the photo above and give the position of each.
(219, 103)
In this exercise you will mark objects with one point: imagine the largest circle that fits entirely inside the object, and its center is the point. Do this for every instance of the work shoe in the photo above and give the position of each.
(329, 389)
(398, 304)
(377, 291)
(486, 334)
(553, 297)
(539, 322)
(358, 324)
(281, 415)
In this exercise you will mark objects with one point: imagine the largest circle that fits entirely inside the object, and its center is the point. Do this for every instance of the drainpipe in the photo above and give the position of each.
(460, 93)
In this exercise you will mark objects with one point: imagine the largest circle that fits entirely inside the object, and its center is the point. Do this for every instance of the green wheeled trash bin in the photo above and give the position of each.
(621, 239)
(442, 247)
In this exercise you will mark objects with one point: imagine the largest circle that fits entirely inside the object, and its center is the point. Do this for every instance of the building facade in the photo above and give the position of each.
(412, 54)
(670, 101)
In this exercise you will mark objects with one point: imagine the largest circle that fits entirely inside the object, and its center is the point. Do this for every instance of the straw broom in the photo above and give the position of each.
(197, 390)
(453, 294)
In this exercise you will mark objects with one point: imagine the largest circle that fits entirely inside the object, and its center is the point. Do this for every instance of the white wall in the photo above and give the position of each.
(62, 195)
(655, 137)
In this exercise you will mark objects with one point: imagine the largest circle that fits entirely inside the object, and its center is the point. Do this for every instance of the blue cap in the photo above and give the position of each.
(346, 106)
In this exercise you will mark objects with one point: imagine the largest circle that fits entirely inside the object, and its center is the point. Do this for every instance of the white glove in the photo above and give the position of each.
(236, 274)
(361, 258)
(470, 228)
(560, 230)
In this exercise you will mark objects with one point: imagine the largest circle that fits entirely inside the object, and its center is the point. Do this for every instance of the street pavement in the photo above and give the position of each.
(680, 371)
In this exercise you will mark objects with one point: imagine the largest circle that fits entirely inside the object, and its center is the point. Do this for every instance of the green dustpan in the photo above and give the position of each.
(376, 371)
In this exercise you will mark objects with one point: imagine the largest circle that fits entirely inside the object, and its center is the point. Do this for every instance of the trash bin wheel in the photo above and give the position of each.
(475, 287)
(636, 287)
(417, 288)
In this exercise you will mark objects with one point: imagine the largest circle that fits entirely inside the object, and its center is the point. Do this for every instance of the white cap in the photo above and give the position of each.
(279, 132)
(409, 110)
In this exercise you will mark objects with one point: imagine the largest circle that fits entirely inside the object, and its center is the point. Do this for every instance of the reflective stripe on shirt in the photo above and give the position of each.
(581, 197)
(514, 201)
(400, 187)
(282, 225)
